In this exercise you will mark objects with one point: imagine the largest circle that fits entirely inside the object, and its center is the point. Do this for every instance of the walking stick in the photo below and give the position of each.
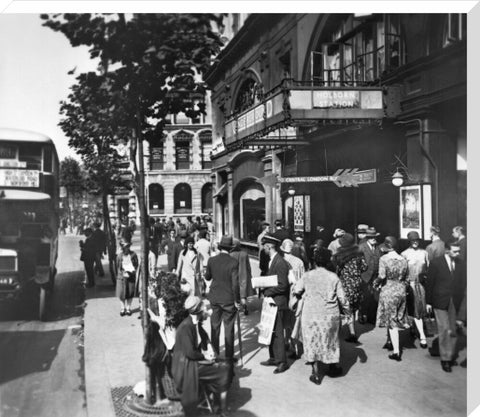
(239, 337)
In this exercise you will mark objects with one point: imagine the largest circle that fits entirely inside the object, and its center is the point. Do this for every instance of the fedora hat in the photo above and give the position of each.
(371, 232)
(226, 243)
(346, 241)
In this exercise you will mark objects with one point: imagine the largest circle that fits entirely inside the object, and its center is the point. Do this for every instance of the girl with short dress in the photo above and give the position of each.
(127, 263)
(417, 259)
(392, 301)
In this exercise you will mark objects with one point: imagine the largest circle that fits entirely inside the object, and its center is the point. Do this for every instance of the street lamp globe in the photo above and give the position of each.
(291, 191)
(397, 179)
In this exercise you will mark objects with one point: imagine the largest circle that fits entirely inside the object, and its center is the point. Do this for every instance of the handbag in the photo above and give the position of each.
(430, 325)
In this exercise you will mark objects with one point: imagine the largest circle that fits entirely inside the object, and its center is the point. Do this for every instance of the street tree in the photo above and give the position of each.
(90, 122)
(152, 65)
(72, 178)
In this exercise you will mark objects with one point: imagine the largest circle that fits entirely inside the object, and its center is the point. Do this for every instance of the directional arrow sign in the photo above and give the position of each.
(350, 177)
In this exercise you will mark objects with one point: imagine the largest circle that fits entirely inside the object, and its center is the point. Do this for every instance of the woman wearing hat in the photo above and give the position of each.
(417, 267)
(350, 263)
(193, 362)
(392, 304)
(127, 264)
(189, 267)
(324, 298)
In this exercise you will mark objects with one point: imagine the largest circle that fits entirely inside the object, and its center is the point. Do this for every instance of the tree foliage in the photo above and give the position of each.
(71, 175)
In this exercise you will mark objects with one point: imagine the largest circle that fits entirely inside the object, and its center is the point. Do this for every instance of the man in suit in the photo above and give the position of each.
(437, 247)
(279, 296)
(224, 295)
(445, 290)
(100, 241)
(368, 308)
(458, 233)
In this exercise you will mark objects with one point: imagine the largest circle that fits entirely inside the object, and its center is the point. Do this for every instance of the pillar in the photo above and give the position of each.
(230, 201)
(267, 169)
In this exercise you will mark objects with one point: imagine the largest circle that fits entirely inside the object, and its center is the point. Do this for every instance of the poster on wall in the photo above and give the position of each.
(415, 209)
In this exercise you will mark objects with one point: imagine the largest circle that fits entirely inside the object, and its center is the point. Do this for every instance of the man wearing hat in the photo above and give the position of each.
(335, 244)
(280, 232)
(361, 233)
(371, 251)
(445, 290)
(193, 364)
(263, 258)
(224, 295)
(277, 295)
(437, 247)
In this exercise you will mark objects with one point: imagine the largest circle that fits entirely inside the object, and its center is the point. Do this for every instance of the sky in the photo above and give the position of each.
(34, 65)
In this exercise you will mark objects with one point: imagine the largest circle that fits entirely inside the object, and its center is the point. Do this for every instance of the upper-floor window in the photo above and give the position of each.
(247, 95)
(182, 149)
(182, 119)
(156, 157)
(455, 28)
(359, 53)
(206, 149)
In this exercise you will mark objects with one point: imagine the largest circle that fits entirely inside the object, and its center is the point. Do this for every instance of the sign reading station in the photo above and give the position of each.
(22, 178)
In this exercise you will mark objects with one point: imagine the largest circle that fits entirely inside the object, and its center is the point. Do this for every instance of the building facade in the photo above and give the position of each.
(315, 116)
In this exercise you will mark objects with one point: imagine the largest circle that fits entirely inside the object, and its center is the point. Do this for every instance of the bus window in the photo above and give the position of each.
(31, 154)
(47, 160)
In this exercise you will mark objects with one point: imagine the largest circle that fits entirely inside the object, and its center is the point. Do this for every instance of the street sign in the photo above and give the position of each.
(351, 177)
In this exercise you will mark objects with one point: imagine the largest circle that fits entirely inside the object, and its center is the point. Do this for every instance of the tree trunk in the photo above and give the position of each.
(140, 192)
(107, 227)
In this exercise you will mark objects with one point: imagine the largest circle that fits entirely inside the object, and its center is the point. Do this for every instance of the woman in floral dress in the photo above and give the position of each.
(392, 302)
(417, 267)
(323, 298)
(350, 263)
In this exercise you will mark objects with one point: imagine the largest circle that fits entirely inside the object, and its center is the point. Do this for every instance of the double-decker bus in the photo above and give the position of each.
(29, 202)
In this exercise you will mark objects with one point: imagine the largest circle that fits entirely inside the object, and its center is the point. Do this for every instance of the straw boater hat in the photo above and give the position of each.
(193, 304)
(271, 238)
(362, 228)
(226, 243)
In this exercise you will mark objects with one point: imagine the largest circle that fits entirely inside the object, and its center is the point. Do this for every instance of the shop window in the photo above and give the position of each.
(252, 214)
(206, 149)
(182, 199)
(207, 199)
(155, 199)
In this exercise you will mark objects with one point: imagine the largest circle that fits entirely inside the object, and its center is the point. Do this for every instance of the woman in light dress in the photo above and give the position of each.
(324, 300)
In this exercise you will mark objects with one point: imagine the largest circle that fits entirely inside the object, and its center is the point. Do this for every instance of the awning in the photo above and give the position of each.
(221, 192)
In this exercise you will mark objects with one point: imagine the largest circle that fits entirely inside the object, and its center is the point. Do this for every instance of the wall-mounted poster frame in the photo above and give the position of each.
(415, 211)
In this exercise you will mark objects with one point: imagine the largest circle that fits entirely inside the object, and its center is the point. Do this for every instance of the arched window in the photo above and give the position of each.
(247, 95)
(156, 199)
(182, 199)
(207, 198)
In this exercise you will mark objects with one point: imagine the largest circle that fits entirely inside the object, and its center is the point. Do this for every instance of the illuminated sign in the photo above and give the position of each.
(21, 178)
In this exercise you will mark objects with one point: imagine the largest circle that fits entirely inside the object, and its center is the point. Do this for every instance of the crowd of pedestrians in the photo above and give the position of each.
(353, 279)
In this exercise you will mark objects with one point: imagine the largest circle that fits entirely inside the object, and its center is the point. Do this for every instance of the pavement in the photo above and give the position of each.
(371, 384)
